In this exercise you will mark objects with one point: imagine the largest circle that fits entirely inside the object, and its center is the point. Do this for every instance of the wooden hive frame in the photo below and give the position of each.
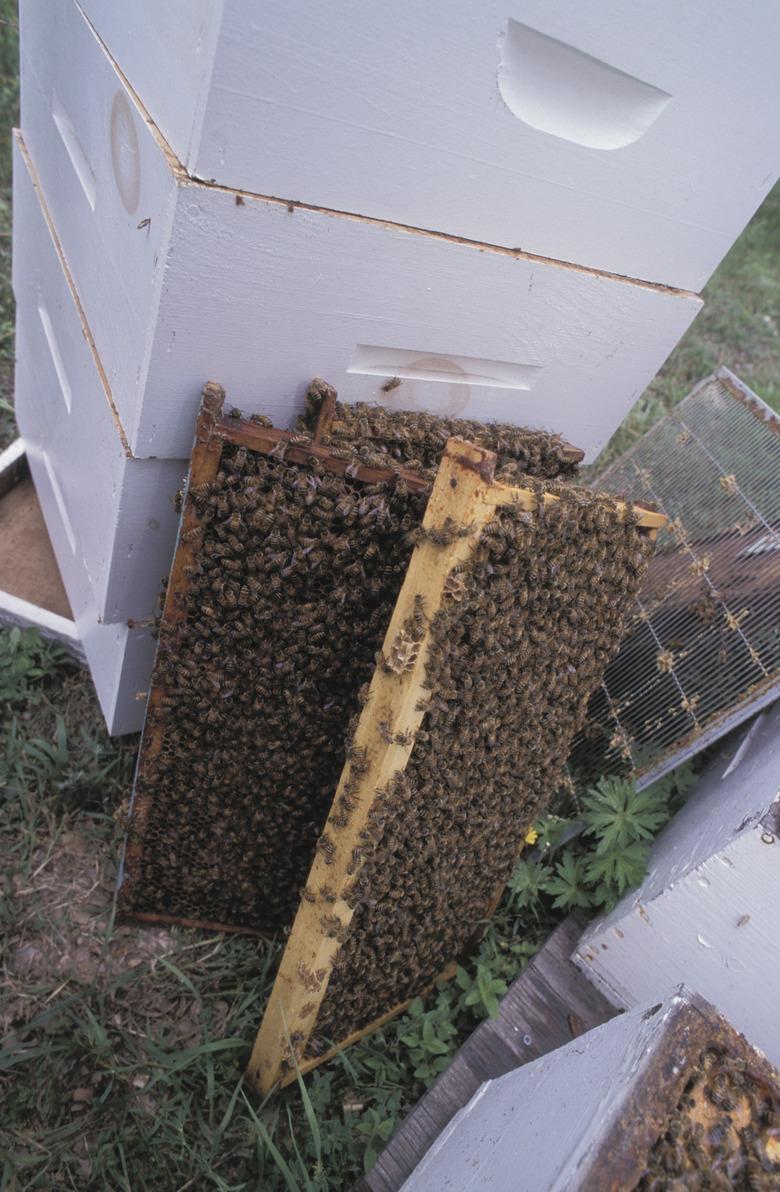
(215, 430)
(466, 496)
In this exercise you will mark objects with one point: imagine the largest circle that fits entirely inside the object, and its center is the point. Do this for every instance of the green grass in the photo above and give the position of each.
(739, 327)
(123, 1048)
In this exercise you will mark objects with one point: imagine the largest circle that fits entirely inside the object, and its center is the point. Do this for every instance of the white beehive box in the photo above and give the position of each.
(110, 518)
(583, 1118)
(119, 657)
(637, 139)
(181, 282)
(117, 513)
(706, 912)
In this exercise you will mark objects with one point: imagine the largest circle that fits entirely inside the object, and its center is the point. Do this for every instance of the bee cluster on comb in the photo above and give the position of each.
(724, 1132)
(414, 439)
(292, 576)
(514, 654)
(512, 604)
(286, 577)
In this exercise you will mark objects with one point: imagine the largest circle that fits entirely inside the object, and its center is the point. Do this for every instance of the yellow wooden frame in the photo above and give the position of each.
(466, 496)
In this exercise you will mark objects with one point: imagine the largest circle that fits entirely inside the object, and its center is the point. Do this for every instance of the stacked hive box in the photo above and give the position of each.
(454, 217)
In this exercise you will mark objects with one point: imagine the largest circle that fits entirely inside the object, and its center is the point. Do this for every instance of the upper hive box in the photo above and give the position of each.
(637, 139)
(182, 281)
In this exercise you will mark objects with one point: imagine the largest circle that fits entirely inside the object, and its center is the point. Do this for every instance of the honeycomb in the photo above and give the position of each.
(287, 600)
(383, 438)
(521, 641)
(724, 1133)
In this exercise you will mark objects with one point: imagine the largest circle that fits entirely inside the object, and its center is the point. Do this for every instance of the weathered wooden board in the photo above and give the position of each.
(609, 135)
(463, 503)
(118, 513)
(594, 1113)
(181, 280)
(546, 1006)
(705, 913)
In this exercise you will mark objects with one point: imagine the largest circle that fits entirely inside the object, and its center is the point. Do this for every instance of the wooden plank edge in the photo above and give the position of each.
(23, 614)
(298, 448)
(504, 494)
(204, 465)
(178, 921)
(306, 1066)
(13, 466)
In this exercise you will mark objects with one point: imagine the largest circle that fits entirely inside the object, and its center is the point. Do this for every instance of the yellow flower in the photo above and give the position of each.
(531, 836)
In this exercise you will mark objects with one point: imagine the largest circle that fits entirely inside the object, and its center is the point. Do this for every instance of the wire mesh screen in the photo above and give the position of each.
(703, 652)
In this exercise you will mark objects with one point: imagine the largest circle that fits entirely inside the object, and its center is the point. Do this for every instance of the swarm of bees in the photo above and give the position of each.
(296, 576)
(724, 1133)
(384, 438)
(293, 576)
(520, 642)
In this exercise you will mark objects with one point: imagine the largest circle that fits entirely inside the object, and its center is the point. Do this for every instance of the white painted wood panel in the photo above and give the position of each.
(104, 175)
(638, 139)
(579, 1118)
(119, 511)
(167, 53)
(119, 658)
(706, 910)
(264, 298)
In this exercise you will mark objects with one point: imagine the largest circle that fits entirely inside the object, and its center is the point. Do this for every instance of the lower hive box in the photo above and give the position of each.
(512, 604)
(290, 558)
(664, 1098)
